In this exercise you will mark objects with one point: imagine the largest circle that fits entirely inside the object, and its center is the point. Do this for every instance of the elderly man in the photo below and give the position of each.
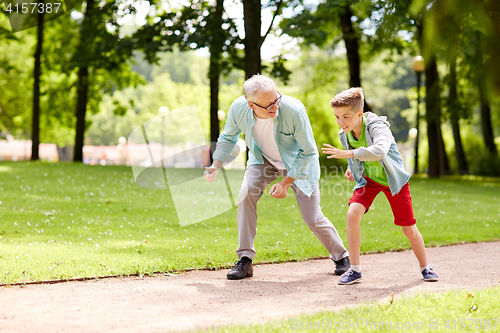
(279, 137)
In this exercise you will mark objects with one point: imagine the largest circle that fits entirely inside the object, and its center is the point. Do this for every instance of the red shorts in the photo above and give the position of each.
(400, 203)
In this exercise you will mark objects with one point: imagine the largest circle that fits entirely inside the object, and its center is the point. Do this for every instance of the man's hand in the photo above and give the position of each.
(212, 171)
(336, 153)
(279, 190)
(210, 174)
(348, 174)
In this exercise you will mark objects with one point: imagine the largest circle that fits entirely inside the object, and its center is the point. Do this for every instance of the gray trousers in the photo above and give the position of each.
(257, 178)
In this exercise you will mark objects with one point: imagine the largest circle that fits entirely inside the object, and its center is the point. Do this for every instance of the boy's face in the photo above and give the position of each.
(348, 119)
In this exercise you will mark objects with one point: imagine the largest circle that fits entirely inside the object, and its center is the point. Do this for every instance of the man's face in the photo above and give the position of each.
(265, 104)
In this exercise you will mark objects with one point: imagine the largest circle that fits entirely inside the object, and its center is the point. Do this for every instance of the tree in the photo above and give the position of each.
(413, 16)
(101, 50)
(331, 19)
(455, 109)
(55, 82)
(461, 31)
(216, 54)
(484, 100)
(16, 50)
(197, 26)
(35, 124)
(23, 21)
(252, 13)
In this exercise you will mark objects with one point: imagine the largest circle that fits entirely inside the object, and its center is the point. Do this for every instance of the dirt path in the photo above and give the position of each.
(202, 299)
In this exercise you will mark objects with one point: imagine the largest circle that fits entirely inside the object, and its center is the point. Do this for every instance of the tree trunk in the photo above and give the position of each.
(83, 86)
(417, 124)
(37, 73)
(454, 112)
(216, 50)
(438, 160)
(486, 127)
(253, 39)
(444, 166)
(484, 101)
(352, 47)
(492, 9)
(431, 115)
(81, 110)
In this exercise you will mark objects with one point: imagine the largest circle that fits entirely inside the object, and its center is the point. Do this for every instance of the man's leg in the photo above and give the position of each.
(319, 224)
(257, 178)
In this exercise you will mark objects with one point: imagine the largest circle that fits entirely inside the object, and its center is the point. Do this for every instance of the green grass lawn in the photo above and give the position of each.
(61, 221)
(452, 311)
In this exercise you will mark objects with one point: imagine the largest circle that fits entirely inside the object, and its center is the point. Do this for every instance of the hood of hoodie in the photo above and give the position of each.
(370, 119)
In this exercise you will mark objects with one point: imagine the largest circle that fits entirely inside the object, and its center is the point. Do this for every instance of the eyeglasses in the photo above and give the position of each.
(270, 106)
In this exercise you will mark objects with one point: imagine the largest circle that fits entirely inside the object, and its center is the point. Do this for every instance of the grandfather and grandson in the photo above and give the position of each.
(280, 142)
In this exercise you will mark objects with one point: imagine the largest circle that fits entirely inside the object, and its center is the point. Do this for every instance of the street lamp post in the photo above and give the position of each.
(419, 67)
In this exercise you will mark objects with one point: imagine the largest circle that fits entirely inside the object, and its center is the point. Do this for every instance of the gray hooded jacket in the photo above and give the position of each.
(381, 147)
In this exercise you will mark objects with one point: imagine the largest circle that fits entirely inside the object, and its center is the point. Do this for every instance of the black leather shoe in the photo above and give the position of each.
(342, 265)
(241, 270)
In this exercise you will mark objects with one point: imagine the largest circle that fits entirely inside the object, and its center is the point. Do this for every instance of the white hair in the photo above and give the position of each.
(257, 83)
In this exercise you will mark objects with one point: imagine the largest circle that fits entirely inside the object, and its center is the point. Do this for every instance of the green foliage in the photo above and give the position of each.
(199, 25)
(387, 78)
(315, 79)
(279, 70)
(142, 104)
(15, 81)
(58, 80)
(488, 165)
(183, 67)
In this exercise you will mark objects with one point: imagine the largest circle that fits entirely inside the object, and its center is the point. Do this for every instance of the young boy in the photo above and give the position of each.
(376, 166)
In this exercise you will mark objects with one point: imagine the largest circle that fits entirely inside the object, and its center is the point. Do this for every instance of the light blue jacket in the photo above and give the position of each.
(294, 138)
(381, 147)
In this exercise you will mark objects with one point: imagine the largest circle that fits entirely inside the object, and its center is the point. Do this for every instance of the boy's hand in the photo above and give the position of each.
(336, 153)
(348, 174)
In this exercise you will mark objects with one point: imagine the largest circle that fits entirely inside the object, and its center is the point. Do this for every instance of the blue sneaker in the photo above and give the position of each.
(350, 277)
(429, 275)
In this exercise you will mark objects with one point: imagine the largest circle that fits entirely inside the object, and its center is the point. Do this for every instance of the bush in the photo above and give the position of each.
(487, 164)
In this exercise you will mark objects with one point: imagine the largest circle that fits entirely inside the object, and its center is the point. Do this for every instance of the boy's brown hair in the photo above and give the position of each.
(352, 98)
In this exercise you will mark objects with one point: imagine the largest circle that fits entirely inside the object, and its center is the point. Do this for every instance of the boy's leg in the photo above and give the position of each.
(359, 204)
(354, 216)
(402, 210)
(257, 178)
(403, 216)
(319, 224)
(417, 243)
